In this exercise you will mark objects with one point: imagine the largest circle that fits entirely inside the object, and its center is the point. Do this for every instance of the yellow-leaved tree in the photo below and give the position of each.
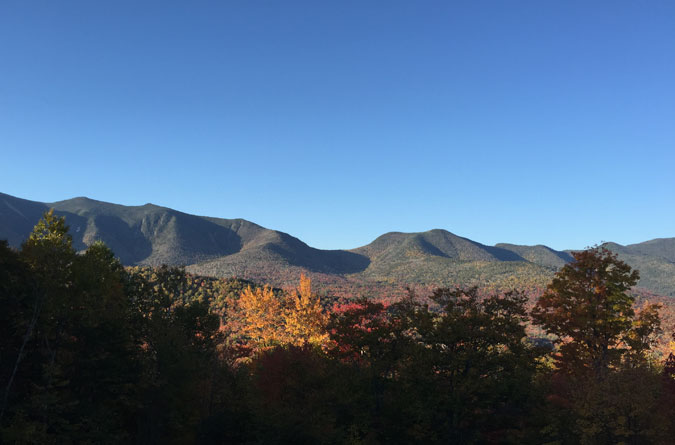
(259, 318)
(304, 319)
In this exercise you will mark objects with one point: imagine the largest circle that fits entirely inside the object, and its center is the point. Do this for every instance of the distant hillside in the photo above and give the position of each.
(443, 258)
(153, 235)
(441, 243)
(540, 255)
(655, 261)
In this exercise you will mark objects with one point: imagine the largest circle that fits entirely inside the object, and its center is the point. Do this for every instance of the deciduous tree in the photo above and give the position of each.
(603, 353)
(304, 318)
(257, 318)
(588, 307)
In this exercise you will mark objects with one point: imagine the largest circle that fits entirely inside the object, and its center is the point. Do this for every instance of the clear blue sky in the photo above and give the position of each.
(502, 121)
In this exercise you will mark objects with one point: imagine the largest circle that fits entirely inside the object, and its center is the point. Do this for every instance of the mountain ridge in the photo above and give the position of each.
(151, 235)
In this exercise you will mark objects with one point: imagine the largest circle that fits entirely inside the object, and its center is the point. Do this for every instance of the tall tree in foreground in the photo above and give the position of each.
(588, 307)
(21, 308)
(72, 376)
(603, 354)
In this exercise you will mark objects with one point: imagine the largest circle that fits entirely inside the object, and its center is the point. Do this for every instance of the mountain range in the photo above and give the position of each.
(152, 235)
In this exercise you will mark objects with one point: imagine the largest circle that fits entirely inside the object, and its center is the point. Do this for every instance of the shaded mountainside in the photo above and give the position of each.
(148, 234)
(154, 235)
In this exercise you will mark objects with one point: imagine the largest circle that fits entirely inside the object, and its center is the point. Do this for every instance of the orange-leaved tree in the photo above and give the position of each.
(304, 319)
(257, 318)
(260, 319)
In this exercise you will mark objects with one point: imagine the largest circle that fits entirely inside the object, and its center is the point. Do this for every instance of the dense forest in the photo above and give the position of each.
(93, 352)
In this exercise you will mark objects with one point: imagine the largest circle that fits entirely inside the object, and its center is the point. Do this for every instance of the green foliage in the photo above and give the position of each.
(94, 354)
(219, 293)
(458, 371)
(654, 260)
(76, 363)
(444, 271)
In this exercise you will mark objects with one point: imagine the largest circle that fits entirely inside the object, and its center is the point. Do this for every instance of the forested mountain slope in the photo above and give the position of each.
(654, 259)
(154, 235)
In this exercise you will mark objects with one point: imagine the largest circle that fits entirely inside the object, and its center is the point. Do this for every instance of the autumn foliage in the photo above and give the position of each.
(588, 307)
(304, 318)
(262, 319)
(258, 318)
(93, 352)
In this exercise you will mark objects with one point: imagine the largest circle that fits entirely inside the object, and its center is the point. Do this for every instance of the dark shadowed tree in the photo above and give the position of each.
(603, 355)
(75, 368)
(457, 371)
(588, 307)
